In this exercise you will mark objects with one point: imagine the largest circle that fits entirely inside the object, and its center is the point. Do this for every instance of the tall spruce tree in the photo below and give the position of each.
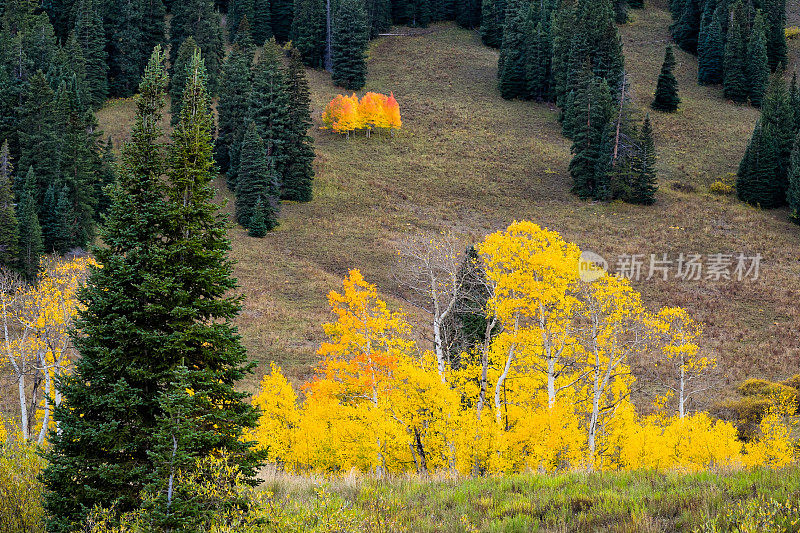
(757, 66)
(135, 28)
(794, 103)
(513, 59)
(233, 109)
(757, 180)
(775, 12)
(468, 13)
(493, 18)
(270, 109)
(710, 53)
(349, 44)
(39, 144)
(30, 232)
(256, 186)
(686, 27)
(778, 115)
(160, 302)
(735, 78)
(666, 96)
(100, 454)
(592, 107)
(379, 15)
(9, 232)
(281, 15)
(239, 10)
(309, 32)
(106, 180)
(91, 36)
(179, 75)
(645, 183)
(198, 19)
(261, 24)
(298, 180)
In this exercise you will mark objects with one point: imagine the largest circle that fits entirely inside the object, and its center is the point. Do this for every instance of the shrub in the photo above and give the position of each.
(21, 509)
(724, 185)
(792, 32)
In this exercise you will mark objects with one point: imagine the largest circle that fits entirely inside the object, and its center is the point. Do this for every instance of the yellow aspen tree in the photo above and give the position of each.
(277, 403)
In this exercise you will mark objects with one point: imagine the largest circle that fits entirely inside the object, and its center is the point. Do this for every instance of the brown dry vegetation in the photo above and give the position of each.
(469, 161)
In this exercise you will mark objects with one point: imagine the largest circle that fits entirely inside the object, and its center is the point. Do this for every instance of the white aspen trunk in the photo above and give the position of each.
(681, 397)
(328, 37)
(501, 380)
(23, 407)
(46, 415)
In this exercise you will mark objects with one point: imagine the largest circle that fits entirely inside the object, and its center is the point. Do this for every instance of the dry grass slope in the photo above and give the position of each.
(469, 161)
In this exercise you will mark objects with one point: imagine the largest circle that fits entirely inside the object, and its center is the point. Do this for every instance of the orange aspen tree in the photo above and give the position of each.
(372, 111)
(393, 113)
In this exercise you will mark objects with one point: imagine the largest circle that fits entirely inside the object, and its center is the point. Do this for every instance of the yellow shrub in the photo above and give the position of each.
(21, 507)
(724, 185)
(792, 32)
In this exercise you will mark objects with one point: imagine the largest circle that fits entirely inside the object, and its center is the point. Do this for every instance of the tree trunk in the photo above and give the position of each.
(328, 37)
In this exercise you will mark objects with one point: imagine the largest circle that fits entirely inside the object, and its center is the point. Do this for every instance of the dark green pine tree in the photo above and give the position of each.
(297, 183)
(493, 18)
(686, 27)
(735, 78)
(379, 15)
(91, 37)
(9, 231)
(59, 236)
(233, 111)
(239, 10)
(136, 27)
(30, 232)
(261, 23)
(513, 60)
(256, 187)
(80, 163)
(270, 109)
(198, 19)
(710, 53)
(468, 13)
(281, 17)
(793, 191)
(757, 67)
(645, 183)
(592, 108)
(775, 13)
(636, 4)
(778, 116)
(161, 301)
(349, 44)
(258, 222)
(756, 180)
(178, 80)
(309, 31)
(39, 144)
(100, 455)
(200, 284)
(666, 96)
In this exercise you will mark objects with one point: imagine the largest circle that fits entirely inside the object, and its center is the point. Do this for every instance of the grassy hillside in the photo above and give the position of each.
(469, 161)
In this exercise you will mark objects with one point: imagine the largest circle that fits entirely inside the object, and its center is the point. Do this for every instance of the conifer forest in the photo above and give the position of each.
(343, 266)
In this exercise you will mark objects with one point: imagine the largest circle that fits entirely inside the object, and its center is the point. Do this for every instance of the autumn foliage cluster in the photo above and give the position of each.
(375, 111)
(548, 390)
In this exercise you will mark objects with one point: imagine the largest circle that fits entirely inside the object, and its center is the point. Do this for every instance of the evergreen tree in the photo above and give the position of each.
(60, 232)
(9, 232)
(256, 187)
(238, 11)
(309, 31)
(39, 144)
(349, 45)
(644, 184)
(379, 15)
(161, 301)
(258, 222)
(775, 12)
(666, 96)
(493, 17)
(686, 27)
(91, 37)
(281, 16)
(200, 281)
(80, 163)
(592, 104)
(261, 27)
(198, 19)
(757, 61)
(30, 232)
(621, 11)
(735, 79)
(636, 4)
(778, 116)
(468, 13)
(233, 109)
(756, 181)
(794, 103)
(136, 27)
(793, 191)
(513, 60)
(297, 183)
(710, 52)
(178, 80)
(100, 454)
